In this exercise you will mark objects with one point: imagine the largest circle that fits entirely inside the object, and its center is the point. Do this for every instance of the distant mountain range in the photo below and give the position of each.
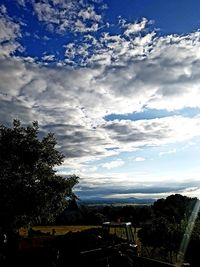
(116, 201)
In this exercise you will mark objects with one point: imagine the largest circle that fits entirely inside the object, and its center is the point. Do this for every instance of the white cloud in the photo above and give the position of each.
(124, 75)
(113, 164)
(120, 49)
(61, 16)
(46, 13)
(173, 151)
(48, 57)
(132, 28)
(3, 10)
(153, 132)
(72, 103)
(9, 32)
(82, 27)
(145, 71)
(139, 159)
(89, 14)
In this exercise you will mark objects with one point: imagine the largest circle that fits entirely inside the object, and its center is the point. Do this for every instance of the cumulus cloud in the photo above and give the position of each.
(113, 164)
(9, 32)
(163, 78)
(153, 132)
(89, 14)
(144, 70)
(48, 58)
(117, 49)
(114, 74)
(62, 100)
(60, 16)
(138, 159)
(132, 28)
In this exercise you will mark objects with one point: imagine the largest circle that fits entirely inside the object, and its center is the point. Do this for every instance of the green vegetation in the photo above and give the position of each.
(159, 229)
(162, 237)
(30, 190)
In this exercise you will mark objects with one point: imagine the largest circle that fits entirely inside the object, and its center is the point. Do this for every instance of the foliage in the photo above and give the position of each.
(164, 235)
(30, 190)
(161, 234)
(174, 208)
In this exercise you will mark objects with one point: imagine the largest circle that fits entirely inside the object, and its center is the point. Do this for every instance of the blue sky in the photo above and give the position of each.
(118, 82)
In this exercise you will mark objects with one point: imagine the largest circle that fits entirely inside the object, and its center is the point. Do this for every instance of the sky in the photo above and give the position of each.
(118, 82)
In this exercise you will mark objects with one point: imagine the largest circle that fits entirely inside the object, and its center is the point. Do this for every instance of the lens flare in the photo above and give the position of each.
(187, 234)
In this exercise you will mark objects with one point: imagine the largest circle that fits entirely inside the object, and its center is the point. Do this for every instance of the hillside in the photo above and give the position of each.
(116, 201)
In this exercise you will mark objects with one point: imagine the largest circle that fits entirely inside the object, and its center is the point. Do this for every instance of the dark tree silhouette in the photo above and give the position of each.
(164, 235)
(30, 190)
(175, 207)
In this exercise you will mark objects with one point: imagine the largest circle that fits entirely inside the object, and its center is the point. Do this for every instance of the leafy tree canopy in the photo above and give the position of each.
(174, 207)
(30, 190)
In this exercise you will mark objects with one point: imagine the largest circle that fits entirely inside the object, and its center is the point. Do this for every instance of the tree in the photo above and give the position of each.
(30, 190)
(165, 234)
(174, 207)
(161, 236)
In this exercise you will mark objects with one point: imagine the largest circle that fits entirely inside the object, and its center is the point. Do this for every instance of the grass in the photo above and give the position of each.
(59, 229)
